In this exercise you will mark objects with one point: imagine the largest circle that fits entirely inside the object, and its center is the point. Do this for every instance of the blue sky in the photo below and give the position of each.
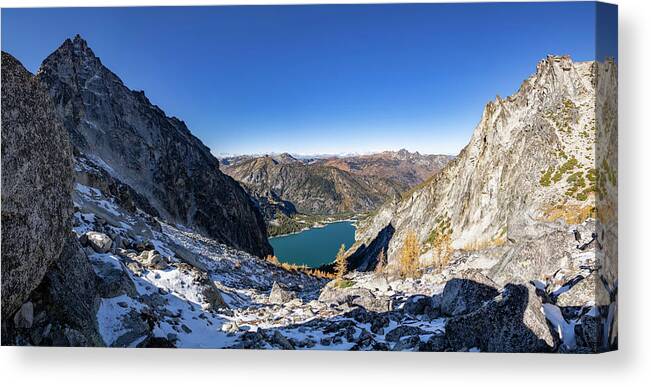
(317, 79)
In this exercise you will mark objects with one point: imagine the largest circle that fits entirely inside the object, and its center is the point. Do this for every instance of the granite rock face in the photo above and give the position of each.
(529, 161)
(69, 298)
(121, 131)
(36, 184)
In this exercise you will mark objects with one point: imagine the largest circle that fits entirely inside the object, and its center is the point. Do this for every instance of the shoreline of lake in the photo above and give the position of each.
(315, 246)
(352, 221)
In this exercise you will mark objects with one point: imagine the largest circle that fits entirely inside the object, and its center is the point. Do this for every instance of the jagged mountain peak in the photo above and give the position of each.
(79, 43)
(140, 146)
(76, 50)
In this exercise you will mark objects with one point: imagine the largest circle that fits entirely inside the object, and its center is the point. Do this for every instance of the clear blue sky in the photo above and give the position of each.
(317, 79)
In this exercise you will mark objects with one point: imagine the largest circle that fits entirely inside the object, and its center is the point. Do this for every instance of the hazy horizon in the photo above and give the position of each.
(325, 154)
(317, 79)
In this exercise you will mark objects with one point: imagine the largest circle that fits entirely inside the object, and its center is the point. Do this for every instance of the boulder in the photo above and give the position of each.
(213, 296)
(419, 304)
(436, 343)
(281, 341)
(62, 310)
(580, 293)
(378, 283)
(153, 260)
(411, 343)
(378, 323)
(280, 295)
(36, 184)
(360, 315)
(24, 318)
(512, 322)
(70, 288)
(467, 293)
(113, 280)
(157, 342)
(157, 261)
(100, 242)
(524, 261)
(134, 325)
(251, 340)
(355, 297)
(405, 330)
(589, 332)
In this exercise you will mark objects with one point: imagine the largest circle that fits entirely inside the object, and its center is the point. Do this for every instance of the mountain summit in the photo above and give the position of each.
(136, 143)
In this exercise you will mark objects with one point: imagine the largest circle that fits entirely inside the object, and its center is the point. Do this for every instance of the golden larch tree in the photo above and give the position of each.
(341, 263)
(409, 265)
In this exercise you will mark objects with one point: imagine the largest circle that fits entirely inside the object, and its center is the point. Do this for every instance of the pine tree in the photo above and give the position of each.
(409, 256)
(341, 263)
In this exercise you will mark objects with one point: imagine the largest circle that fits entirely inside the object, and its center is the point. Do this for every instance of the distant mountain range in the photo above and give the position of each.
(284, 185)
(403, 167)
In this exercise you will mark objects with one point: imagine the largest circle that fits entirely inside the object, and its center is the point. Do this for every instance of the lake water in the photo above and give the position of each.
(314, 247)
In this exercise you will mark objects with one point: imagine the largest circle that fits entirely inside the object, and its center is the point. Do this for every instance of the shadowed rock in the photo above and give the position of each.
(36, 184)
(464, 295)
(512, 322)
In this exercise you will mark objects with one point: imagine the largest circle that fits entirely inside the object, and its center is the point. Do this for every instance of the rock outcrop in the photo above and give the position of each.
(48, 284)
(530, 161)
(513, 322)
(67, 301)
(279, 295)
(36, 185)
(466, 294)
(155, 155)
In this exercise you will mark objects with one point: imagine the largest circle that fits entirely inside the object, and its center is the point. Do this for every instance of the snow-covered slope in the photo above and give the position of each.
(163, 284)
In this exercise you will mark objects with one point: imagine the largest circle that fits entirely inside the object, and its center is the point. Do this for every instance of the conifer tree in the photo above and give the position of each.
(409, 266)
(341, 263)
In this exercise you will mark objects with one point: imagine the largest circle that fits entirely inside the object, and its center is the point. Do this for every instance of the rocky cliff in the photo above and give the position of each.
(36, 184)
(153, 154)
(48, 285)
(530, 163)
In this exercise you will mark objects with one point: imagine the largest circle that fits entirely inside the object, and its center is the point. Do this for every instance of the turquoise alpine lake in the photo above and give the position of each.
(314, 247)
